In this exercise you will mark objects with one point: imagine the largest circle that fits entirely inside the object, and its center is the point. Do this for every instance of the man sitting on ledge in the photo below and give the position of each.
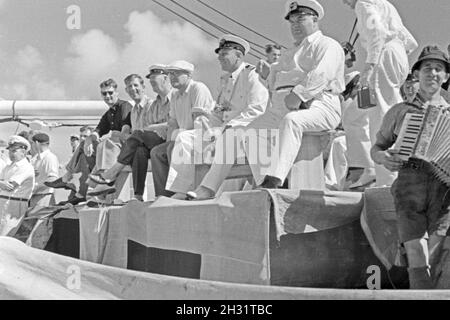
(305, 86)
(149, 124)
(84, 159)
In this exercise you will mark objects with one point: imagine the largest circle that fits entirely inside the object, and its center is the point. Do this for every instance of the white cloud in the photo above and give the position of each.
(28, 77)
(96, 56)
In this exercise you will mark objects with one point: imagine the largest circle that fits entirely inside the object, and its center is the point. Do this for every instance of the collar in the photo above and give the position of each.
(143, 102)
(191, 81)
(420, 101)
(311, 38)
(20, 162)
(236, 72)
(167, 98)
(42, 154)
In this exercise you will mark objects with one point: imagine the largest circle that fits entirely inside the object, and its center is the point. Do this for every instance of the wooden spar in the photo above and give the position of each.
(52, 110)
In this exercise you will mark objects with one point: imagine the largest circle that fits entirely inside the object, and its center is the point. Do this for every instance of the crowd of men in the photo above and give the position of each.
(305, 88)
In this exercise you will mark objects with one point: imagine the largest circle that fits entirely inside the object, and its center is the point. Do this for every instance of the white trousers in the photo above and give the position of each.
(337, 164)
(12, 213)
(278, 140)
(357, 134)
(389, 75)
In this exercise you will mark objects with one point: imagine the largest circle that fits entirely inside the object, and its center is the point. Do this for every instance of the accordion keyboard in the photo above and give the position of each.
(409, 133)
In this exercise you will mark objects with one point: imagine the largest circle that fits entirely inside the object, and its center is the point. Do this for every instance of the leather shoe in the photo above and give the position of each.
(73, 201)
(59, 184)
(97, 178)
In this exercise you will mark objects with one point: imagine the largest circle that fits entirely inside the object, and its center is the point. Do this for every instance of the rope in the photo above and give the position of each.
(237, 22)
(196, 25)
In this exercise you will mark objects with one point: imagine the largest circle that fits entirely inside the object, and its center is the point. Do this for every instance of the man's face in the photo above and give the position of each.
(159, 82)
(135, 89)
(110, 95)
(84, 134)
(178, 78)
(16, 153)
(350, 3)
(74, 143)
(432, 74)
(301, 23)
(273, 56)
(228, 59)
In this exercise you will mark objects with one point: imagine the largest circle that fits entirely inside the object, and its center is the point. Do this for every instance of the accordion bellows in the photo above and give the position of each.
(427, 137)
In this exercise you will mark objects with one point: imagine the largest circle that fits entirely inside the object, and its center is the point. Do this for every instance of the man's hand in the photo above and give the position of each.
(88, 147)
(366, 76)
(263, 69)
(389, 159)
(292, 101)
(7, 186)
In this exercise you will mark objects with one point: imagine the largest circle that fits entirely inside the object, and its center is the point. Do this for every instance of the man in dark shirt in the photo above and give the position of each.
(84, 158)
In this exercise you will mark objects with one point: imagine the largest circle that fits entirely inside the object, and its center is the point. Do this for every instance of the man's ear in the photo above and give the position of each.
(416, 74)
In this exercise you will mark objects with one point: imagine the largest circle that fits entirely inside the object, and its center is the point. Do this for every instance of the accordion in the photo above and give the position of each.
(427, 137)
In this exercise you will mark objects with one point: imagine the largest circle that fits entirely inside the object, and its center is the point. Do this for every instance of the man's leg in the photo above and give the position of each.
(160, 158)
(140, 161)
(292, 127)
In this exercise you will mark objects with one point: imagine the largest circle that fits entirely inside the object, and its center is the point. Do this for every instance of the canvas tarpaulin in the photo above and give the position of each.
(28, 273)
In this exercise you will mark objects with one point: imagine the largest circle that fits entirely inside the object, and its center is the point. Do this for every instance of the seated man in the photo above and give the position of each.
(305, 86)
(421, 200)
(149, 123)
(242, 98)
(192, 102)
(84, 159)
(16, 186)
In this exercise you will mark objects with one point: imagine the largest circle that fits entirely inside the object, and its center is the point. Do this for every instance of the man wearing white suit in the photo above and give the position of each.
(242, 98)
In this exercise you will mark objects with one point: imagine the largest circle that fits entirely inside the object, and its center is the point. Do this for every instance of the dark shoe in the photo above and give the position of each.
(101, 190)
(98, 179)
(75, 200)
(59, 184)
(270, 183)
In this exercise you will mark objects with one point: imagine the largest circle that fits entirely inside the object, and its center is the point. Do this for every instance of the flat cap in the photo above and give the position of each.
(41, 138)
(181, 65)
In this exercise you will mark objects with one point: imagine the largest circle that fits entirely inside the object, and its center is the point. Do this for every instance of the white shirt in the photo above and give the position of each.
(314, 66)
(244, 94)
(378, 23)
(46, 167)
(22, 173)
(196, 98)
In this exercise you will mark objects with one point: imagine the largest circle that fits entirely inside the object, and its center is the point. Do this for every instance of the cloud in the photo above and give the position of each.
(28, 77)
(95, 56)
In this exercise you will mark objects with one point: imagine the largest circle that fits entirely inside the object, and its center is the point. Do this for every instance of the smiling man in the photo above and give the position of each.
(421, 200)
(84, 160)
(148, 121)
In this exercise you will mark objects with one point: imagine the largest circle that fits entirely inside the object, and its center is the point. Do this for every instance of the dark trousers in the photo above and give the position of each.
(83, 164)
(160, 157)
(136, 152)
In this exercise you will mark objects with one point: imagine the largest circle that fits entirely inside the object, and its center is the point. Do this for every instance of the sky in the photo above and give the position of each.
(43, 59)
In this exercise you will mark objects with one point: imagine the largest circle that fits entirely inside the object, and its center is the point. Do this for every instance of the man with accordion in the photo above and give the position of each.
(420, 131)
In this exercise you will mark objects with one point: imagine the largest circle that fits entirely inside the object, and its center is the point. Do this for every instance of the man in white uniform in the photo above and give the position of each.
(305, 87)
(242, 98)
(387, 43)
(16, 186)
(191, 103)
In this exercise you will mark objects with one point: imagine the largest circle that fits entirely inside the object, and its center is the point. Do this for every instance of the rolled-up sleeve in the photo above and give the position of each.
(202, 100)
(386, 136)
